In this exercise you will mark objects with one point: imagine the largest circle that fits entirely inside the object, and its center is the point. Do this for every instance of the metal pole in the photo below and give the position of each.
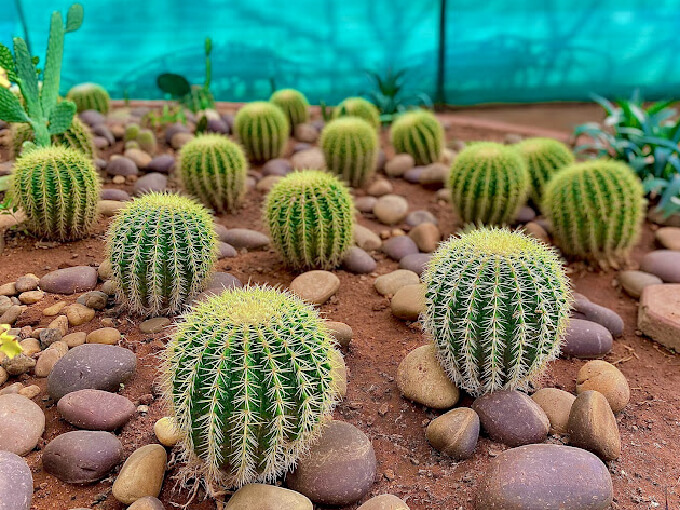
(440, 95)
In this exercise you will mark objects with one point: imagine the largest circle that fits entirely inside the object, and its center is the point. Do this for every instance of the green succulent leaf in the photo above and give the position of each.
(10, 107)
(74, 18)
(28, 78)
(174, 84)
(61, 117)
(53, 58)
(7, 61)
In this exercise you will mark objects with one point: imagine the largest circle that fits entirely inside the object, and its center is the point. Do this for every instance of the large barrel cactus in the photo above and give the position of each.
(213, 169)
(419, 134)
(58, 189)
(311, 219)
(293, 103)
(249, 378)
(78, 136)
(350, 147)
(90, 96)
(262, 128)
(489, 182)
(596, 209)
(496, 306)
(544, 158)
(358, 107)
(162, 249)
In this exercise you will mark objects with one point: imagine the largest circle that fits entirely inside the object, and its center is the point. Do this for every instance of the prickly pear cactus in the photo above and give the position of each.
(262, 128)
(418, 133)
(350, 147)
(77, 136)
(293, 103)
(90, 96)
(496, 306)
(544, 157)
(358, 107)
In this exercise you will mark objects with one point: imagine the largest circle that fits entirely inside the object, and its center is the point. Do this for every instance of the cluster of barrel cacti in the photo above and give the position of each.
(78, 136)
(262, 129)
(350, 146)
(293, 103)
(544, 157)
(418, 133)
(358, 107)
(90, 96)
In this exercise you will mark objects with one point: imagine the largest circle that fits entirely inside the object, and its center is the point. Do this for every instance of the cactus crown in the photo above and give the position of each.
(249, 377)
(162, 249)
(311, 219)
(213, 168)
(293, 103)
(77, 136)
(350, 147)
(496, 305)
(58, 189)
(90, 96)
(46, 116)
(358, 107)
(262, 128)
(544, 158)
(489, 182)
(596, 208)
(418, 133)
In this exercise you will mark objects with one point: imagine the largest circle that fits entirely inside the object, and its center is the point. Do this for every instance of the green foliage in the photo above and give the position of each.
(168, 115)
(90, 96)
(214, 169)
(162, 249)
(40, 108)
(310, 218)
(77, 136)
(358, 107)
(390, 95)
(596, 208)
(146, 140)
(262, 128)
(350, 146)
(131, 132)
(419, 134)
(326, 112)
(293, 103)
(58, 189)
(497, 305)
(489, 182)
(249, 379)
(544, 158)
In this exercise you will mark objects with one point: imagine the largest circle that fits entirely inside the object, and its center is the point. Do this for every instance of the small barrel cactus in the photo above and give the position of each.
(496, 306)
(213, 169)
(489, 182)
(311, 219)
(596, 208)
(358, 107)
(78, 136)
(249, 376)
(293, 103)
(146, 140)
(90, 96)
(58, 189)
(544, 158)
(350, 147)
(419, 134)
(162, 249)
(262, 128)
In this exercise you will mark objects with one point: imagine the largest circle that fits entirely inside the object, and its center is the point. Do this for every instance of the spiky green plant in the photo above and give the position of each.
(310, 218)
(213, 169)
(90, 96)
(489, 182)
(131, 132)
(418, 133)
(40, 107)
(146, 140)
(596, 209)
(249, 378)
(358, 107)
(162, 248)
(58, 189)
(350, 147)
(496, 306)
(293, 103)
(78, 136)
(262, 128)
(544, 157)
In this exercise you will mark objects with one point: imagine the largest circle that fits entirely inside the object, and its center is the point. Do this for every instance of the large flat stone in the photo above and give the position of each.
(659, 314)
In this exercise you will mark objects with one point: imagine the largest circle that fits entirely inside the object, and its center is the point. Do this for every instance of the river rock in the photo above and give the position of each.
(120, 165)
(104, 336)
(658, 314)
(596, 313)
(225, 250)
(258, 496)
(309, 159)
(339, 469)
(398, 247)
(634, 282)
(12, 314)
(545, 477)
(141, 475)
(426, 236)
(341, 332)
(26, 283)
(668, 237)
(18, 365)
(94, 299)
(604, 377)
(315, 286)
(556, 404)
(409, 302)
(455, 433)
(147, 503)
(69, 280)
(384, 502)
(388, 284)
(95, 409)
(416, 262)
(421, 379)
(358, 261)
(167, 432)
(413, 175)
(31, 297)
(46, 361)
(586, 339)
(380, 188)
(399, 165)
(366, 239)
(277, 166)
(365, 204)
(246, 238)
(662, 263)
(22, 423)
(592, 426)
(153, 181)
(391, 209)
(114, 194)
(512, 418)
(16, 482)
(78, 314)
(82, 456)
(163, 164)
(153, 326)
(415, 218)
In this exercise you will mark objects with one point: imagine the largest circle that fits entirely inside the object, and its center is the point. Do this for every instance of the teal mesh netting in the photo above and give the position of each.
(495, 51)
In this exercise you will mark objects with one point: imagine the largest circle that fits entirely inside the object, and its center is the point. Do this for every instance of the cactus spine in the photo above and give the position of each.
(262, 128)
(162, 249)
(58, 189)
(596, 209)
(489, 182)
(293, 103)
(544, 158)
(249, 377)
(350, 147)
(78, 137)
(213, 168)
(419, 134)
(496, 305)
(358, 107)
(310, 218)
(90, 96)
